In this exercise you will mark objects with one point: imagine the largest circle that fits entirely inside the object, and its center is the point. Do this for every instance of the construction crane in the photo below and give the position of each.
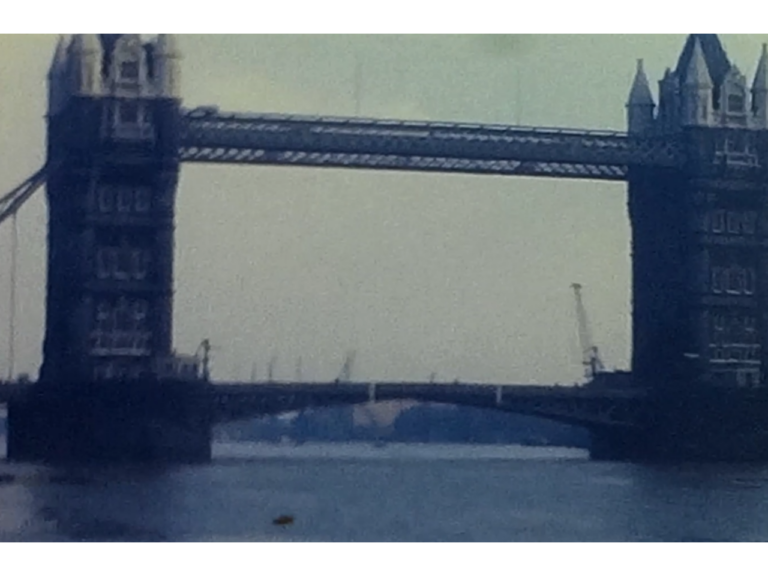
(204, 350)
(591, 361)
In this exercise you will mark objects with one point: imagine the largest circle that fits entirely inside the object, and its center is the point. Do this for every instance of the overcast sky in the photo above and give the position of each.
(465, 276)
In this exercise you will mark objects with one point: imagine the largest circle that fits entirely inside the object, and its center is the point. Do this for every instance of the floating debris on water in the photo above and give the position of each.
(283, 520)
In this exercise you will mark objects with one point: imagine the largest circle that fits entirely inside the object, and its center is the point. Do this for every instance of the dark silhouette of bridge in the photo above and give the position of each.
(697, 181)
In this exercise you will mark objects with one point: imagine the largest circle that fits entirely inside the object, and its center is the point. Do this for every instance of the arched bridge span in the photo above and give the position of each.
(579, 406)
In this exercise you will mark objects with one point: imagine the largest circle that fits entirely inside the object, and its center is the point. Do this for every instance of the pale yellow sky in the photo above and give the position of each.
(464, 276)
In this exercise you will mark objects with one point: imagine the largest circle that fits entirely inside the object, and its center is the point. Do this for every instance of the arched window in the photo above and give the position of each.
(104, 263)
(736, 103)
(129, 71)
(106, 199)
(140, 308)
(734, 222)
(128, 112)
(749, 281)
(749, 222)
(142, 199)
(718, 221)
(737, 278)
(125, 199)
(140, 264)
(124, 265)
(123, 315)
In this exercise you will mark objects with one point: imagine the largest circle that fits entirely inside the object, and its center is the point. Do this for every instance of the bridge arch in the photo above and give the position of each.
(564, 405)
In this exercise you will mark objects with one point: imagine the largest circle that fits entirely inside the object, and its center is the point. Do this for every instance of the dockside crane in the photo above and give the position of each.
(591, 361)
(204, 353)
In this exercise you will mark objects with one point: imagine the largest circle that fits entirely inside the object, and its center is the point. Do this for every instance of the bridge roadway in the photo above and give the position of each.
(577, 405)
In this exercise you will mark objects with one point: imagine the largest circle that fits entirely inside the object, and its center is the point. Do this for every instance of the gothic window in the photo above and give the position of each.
(140, 308)
(104, 259)
(103, 317)
(104, 371)
(140, 264)
(734, 222)
(734, 280)
(718, 329)
(749, 220)
(106, 199)
(701, 222)
(749, 324)
(749, 281)
(736, 103)
(128, 112)
(125, 199)
(755, 380)
(129, 70)
(741, 378)
(142, 199)
(718, 221)
(717, 280)
(122, 316)
(737, 143)
(123, 264)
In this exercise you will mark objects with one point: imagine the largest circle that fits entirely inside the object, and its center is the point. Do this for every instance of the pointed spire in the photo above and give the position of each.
(640, 94)
(86, 44)
(87, 53)
(697, 73)
(168, 44)
(58, 84)
(714, 55)
(640, 106)
(696, 91)
(59, 56)
(760, 91)
(167, 64)
(761, 75)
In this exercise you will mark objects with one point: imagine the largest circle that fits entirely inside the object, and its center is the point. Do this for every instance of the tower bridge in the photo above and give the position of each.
(695, 165)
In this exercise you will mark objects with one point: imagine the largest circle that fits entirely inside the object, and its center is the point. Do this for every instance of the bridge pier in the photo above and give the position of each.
(141, 422)
(618, 445)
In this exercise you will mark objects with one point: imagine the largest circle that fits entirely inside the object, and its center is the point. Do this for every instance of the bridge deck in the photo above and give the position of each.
(394, 390)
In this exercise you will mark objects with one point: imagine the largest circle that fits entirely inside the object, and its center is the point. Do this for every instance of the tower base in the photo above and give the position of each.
(710, 425)
(145, 421)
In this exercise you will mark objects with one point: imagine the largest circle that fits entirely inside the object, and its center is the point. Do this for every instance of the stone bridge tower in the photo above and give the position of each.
(700, 235)
(113, 168)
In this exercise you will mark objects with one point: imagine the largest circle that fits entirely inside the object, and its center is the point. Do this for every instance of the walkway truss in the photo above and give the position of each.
(208, 136)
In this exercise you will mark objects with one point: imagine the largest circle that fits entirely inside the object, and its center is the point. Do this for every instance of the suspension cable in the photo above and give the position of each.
(12, 313)
(10, 204)
(16, 198)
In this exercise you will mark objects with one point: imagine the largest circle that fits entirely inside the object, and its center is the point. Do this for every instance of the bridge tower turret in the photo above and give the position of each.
(696, 91)
(640, 104)
(700, 234)
(760, 91)
(112, 174)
